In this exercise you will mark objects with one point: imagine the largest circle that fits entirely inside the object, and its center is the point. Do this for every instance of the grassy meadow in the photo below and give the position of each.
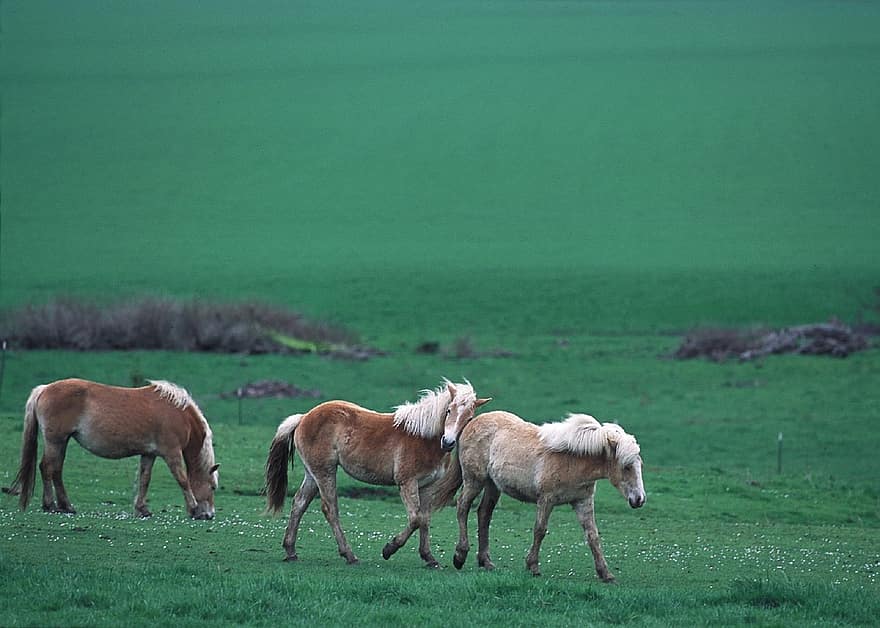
(566, 187)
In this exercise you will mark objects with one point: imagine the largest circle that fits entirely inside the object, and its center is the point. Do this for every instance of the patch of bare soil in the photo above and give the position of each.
(833, 339)
(270, 388)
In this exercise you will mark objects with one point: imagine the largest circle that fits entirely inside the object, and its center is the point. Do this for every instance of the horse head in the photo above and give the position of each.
(625, 472)
(463, 404)
(203, 482)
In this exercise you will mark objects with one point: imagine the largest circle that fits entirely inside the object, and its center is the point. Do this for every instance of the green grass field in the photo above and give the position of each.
(575, 183)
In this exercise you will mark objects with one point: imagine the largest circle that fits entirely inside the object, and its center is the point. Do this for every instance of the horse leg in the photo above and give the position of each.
(174, 460)
(469, 493)
(425, 529)
(304, 496)
(50, 468)
(330, 508)
(145, 471)
(47, 463)
(586, 515)
(543, 514)
(409, 493)
(484, 518)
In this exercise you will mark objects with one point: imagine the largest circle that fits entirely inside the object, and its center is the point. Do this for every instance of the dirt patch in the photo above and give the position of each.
(461, 348)
(833, 339)
(270, 388)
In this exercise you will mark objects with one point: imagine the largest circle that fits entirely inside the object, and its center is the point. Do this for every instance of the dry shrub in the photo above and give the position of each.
(155, 323)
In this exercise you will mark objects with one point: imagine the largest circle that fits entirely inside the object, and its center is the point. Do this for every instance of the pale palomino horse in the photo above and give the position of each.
(160, 419)
(556, 463)
(409, 448)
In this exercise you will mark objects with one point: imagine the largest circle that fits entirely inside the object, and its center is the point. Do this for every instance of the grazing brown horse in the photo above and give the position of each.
(556, 463)
(409, 448)
(156, 420)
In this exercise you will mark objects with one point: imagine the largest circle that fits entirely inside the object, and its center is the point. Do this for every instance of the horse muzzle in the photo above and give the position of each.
(200, 514)
(447, 445)
(637, 501)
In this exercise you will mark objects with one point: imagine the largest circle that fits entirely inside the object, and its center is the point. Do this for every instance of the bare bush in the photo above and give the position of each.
(155, 323)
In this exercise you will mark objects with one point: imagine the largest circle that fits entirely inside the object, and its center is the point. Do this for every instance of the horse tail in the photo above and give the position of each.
(280, 451)
(23, 484)
(443, 490)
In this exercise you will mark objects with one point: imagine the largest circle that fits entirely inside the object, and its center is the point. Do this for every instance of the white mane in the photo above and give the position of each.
(180, 398)
(426, 416)
(174, 394)
(582, 435)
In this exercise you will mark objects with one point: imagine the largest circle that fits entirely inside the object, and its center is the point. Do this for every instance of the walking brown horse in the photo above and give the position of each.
(409, 448)
(556, 463)
(160, 419)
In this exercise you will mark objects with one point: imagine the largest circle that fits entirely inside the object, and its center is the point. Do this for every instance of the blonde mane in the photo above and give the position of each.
(180, 398)
(426, 416)
(582, 435)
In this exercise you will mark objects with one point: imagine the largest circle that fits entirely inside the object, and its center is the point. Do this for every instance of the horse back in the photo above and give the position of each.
(111, 421)
(365, 443)
(502, 447)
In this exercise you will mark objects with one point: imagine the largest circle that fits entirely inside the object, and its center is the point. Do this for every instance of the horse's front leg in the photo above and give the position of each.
(484, 518)
(541, 517)
(145, 471)
(469, 492)
(174, 461)
(586, 515)
(409, 493)
(425, 529)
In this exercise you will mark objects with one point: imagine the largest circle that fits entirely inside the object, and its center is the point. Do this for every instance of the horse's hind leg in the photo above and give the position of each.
(469, 492)
(50, 469)
(145, 471)
(543, 514)
(304, 496)
(586, 515)
(330, 507)
(484, 519)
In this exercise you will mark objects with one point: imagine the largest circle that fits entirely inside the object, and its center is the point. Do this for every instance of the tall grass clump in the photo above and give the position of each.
(157, 323)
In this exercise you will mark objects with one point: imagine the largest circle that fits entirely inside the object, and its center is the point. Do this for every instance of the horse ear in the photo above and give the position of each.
(214, 468)
(482, 402)
(451, 388)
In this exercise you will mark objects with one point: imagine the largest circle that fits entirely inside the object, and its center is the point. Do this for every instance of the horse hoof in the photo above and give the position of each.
(291, 558)
(352, 560)
(143, 514)
(432, 564)
(388, 551)
(458, 562)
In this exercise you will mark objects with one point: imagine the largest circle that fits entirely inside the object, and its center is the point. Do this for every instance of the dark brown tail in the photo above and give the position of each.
(280, 451)
(443, 490)
(23, 484)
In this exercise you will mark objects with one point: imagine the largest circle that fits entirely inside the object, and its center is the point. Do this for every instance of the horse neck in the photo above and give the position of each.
(192, 449)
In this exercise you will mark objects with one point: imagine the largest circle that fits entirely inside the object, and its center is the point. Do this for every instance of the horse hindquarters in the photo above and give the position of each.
(280, 451)
(23, 484)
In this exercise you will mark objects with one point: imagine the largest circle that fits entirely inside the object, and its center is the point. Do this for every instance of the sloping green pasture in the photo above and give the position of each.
(566, 185)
